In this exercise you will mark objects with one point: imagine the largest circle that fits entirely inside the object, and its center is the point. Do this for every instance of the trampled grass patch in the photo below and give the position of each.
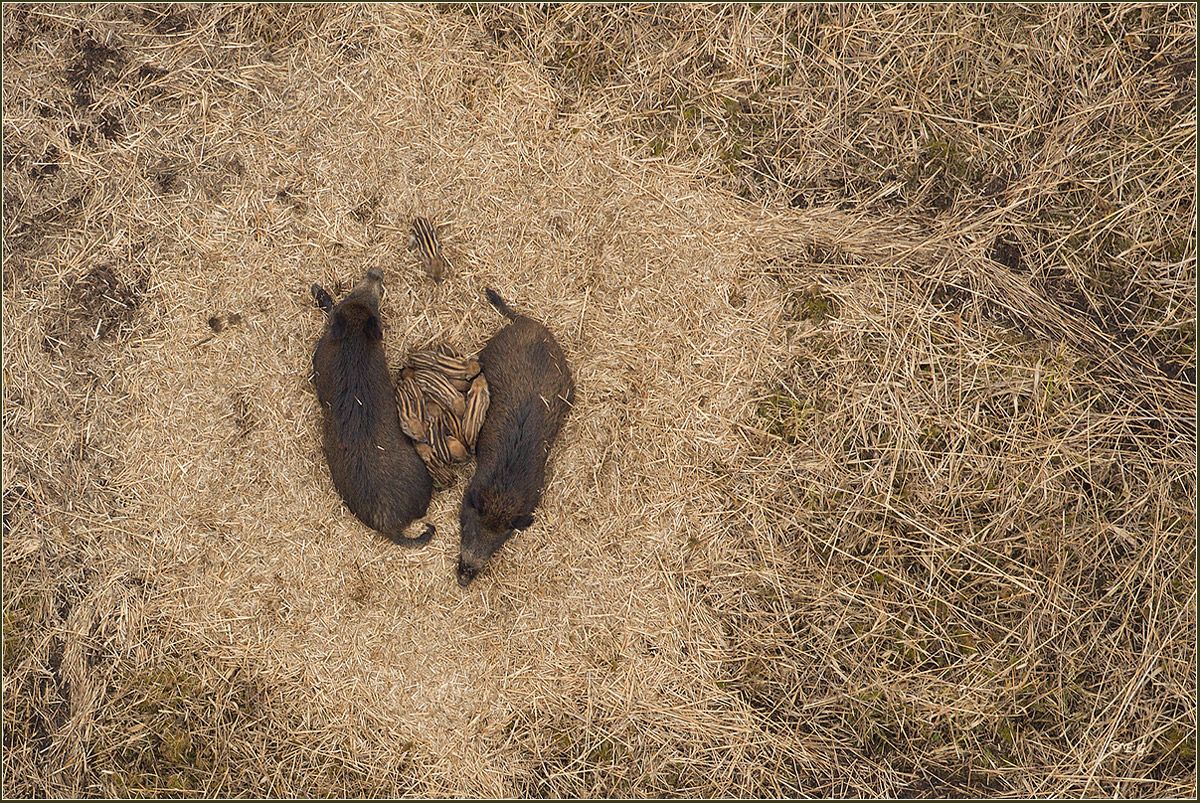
(881, 478)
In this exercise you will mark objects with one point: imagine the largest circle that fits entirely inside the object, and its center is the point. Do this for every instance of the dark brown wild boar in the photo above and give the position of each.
(531, 391)
(373, 463)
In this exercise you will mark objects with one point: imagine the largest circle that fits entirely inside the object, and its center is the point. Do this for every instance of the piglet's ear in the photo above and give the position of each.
(523, 522)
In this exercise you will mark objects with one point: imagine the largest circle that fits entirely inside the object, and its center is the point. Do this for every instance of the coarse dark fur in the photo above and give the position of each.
(531, 391)
(373, 463)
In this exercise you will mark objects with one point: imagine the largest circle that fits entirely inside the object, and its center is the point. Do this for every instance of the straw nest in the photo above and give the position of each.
(881, 478)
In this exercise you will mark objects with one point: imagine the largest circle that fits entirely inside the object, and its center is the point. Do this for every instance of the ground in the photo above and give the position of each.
(881, 478)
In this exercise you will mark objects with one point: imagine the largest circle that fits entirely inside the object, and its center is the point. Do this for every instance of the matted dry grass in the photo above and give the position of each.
(881, 479)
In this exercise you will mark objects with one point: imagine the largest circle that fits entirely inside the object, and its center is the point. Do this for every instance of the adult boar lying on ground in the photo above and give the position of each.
(373, 463)
(531, 392)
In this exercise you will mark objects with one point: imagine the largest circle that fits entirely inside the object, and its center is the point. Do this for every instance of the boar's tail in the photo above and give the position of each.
(423, 538)
(499, 304)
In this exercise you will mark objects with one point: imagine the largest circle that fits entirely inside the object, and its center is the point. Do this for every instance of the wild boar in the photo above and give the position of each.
(531, 391)
(372, 462)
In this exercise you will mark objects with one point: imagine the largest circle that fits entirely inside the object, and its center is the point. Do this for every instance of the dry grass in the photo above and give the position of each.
(882, 479)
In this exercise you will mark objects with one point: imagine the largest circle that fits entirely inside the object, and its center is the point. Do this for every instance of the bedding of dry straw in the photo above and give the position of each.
(881, 479)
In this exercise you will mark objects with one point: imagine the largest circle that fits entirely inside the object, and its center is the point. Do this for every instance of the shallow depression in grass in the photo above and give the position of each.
(881, 478)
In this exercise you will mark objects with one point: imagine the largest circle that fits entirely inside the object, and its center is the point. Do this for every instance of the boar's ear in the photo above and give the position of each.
(371, 328)
(337, 326)
(523, 522)
(468, 516)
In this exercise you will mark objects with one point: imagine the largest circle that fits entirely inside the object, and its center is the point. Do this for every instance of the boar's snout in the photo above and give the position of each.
(466, 573)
